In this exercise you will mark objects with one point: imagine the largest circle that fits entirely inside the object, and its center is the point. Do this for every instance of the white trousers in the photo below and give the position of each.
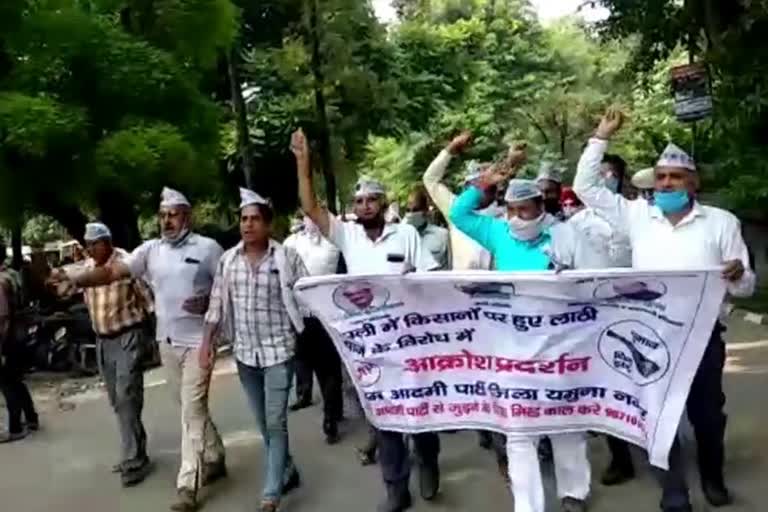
(572, 470)
(199, 437)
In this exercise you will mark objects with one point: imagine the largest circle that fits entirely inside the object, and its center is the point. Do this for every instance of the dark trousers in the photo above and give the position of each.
(316, 353)
(705, 411)
(18, 400)
(120, 360)
(394, 455)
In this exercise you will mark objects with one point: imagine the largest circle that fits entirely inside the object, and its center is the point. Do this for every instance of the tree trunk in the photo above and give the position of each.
(70, 217)
(16, 243)
(119, 214)
(324, 135)
(241, 117)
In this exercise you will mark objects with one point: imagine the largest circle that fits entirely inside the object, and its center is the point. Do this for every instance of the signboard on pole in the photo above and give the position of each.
(690, 86)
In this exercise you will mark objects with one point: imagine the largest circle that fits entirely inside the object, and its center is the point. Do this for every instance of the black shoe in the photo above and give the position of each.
(132, 477)
(117, 468)
(617, 475)
(331, 430)
(398, 499)
(716, 494)
(484, 440)
(293, 482)
(301, 404)
(429, 481)
(34, 425)
(214, 471)
(573, 505)
(14, 436)
(682, 508)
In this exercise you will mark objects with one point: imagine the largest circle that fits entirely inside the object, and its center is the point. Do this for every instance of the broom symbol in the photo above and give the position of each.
(645, 366)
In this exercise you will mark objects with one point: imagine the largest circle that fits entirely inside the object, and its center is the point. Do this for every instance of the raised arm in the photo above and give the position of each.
(588, 183)
(433, 178)
(479, 228)
(307, 197)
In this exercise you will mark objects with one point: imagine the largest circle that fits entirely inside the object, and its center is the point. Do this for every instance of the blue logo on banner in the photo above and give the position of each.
(634, 350)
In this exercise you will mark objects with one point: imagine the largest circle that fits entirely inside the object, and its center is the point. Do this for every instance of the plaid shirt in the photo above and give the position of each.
(119, 305)
(263, 332)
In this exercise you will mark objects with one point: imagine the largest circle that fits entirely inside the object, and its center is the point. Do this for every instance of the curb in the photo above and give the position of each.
(747, 316)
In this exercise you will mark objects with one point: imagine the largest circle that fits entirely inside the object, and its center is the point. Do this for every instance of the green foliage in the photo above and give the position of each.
(100, 99)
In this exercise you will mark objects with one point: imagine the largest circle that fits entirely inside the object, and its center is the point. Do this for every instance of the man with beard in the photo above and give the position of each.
(550, 183)
(179, 268)
(371, 246)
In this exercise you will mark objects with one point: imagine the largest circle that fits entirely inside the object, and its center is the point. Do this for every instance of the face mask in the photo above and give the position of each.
(416, 219)
(178, 238)
(674, 201)
(570, 211)
(526, 230)
(612, 183)
(552, 205)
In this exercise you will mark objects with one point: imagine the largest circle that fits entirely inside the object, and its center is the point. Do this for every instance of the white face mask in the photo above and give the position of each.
(526, 230)
(570, 211)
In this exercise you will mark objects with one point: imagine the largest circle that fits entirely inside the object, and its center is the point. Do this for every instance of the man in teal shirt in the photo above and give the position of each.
(530, 239)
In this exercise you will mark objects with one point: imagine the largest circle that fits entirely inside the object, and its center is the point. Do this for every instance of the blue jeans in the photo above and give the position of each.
(267, 390)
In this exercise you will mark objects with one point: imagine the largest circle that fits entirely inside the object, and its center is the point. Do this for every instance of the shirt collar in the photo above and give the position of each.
(239, 248)
(697, 211)
(190, 238)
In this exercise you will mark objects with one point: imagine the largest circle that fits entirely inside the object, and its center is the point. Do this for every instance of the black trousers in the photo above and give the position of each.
(394, 455)
(316, 353)
(705, 404)
(18, 400)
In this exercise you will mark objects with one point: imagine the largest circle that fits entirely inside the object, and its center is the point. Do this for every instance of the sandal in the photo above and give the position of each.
(268, 506)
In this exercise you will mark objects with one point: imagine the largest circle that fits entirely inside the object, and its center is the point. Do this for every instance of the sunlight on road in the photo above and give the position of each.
(741, 358)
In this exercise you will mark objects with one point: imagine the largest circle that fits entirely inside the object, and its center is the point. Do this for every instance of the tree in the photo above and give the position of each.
(100, 117)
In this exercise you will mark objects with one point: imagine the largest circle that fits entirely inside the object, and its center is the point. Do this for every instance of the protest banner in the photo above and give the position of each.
(523, 353)
(690, 87)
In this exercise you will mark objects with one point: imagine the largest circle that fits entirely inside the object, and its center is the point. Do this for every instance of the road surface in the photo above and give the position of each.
(66, 466)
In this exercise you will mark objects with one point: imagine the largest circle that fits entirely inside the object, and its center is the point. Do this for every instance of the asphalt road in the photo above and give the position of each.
(66, 466)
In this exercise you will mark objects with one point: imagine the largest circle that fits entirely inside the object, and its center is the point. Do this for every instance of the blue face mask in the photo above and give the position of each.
(674, 201)
(612, 184)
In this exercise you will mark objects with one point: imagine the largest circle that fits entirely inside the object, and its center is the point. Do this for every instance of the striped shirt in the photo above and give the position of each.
(263, 333)
(119, 305)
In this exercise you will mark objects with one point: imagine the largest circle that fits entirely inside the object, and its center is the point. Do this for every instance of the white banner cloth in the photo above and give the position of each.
(523, 353)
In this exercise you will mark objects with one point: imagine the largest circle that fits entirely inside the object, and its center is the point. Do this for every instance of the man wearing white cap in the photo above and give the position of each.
(119, 313)
(315, 347)
(466, 254)
(370, 246)
(550, 183)
(677, 232)
(643, 181)
(530, 239)
(179, 268)
(252, 303)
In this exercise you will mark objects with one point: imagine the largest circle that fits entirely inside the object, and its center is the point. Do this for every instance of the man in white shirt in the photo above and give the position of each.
(434, 238)
(179, 268)
(466, 254)
(371, 246)
(315, 348)
(677, 232)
